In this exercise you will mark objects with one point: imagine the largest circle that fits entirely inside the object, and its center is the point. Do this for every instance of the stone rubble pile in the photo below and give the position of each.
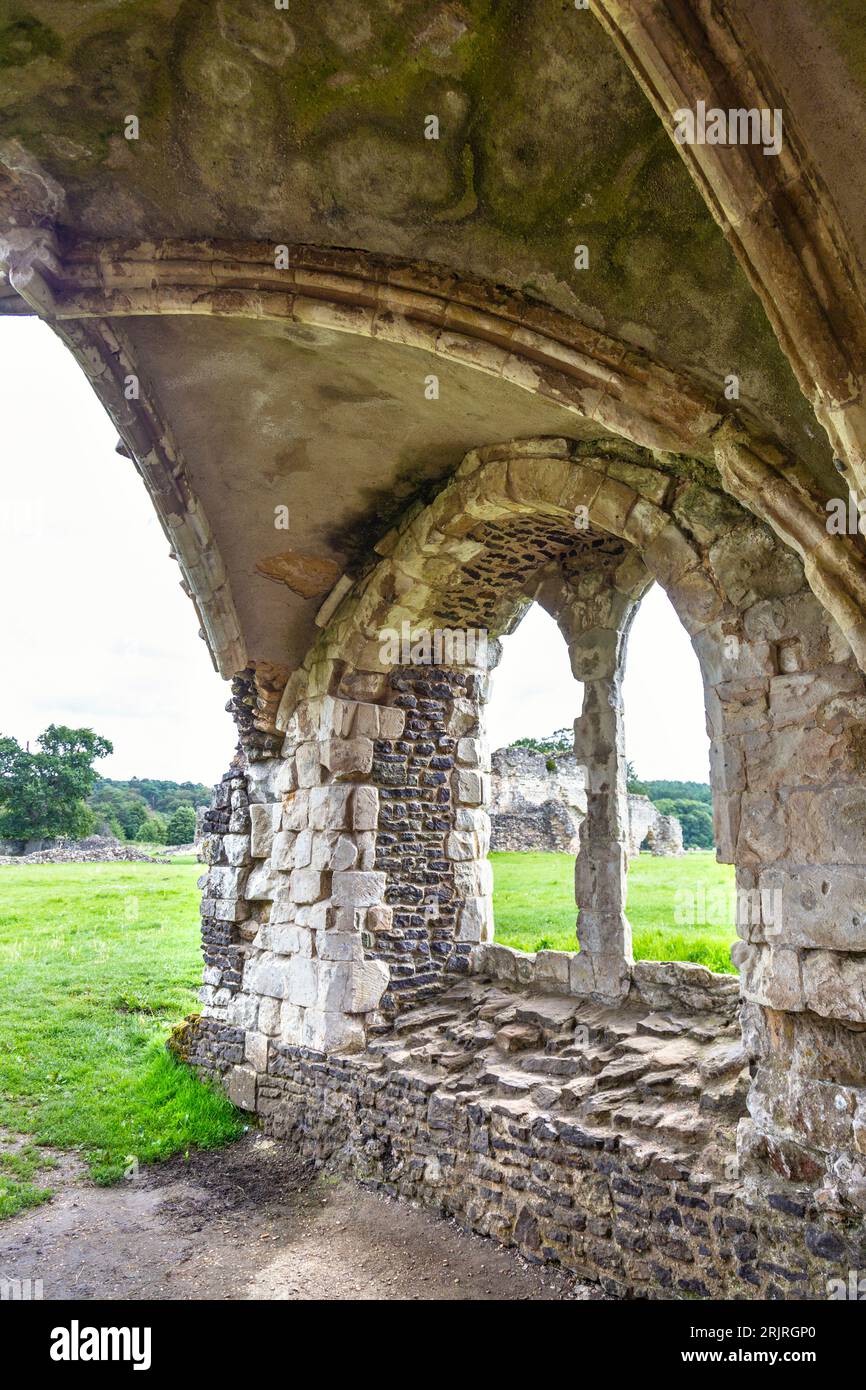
(96, 849)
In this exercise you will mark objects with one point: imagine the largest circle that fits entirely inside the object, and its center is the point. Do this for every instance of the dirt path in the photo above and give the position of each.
(250, 1222)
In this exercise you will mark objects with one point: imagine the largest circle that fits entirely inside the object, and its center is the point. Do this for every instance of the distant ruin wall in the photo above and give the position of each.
(538, 802)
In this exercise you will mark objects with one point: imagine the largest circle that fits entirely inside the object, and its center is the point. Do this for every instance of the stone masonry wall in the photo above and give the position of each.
(431, 787)
(602, 1139)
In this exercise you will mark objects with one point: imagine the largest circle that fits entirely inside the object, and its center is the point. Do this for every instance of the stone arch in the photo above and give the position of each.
(742, 614)
(86, 289)
(361, 886)
(781, 215)
(758, 632)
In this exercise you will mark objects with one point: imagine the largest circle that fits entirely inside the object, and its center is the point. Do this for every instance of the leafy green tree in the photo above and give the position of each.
(694, 816)
(133, 819)
(181, 826)
(43, 794)
(151, 831)
(560, 741)
(680, 791)
(633, 782)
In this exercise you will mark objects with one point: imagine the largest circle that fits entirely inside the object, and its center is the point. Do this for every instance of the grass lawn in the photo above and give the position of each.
(97, 962)
(533, 904)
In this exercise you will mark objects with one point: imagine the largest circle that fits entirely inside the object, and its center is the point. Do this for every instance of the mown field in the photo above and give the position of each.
(99, 961)
(679, 909)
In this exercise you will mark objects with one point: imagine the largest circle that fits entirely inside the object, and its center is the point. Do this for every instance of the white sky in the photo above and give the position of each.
(96, 630)
(534, 691)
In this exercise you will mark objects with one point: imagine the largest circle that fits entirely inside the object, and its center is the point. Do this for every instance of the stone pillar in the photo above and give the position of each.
(605, 961)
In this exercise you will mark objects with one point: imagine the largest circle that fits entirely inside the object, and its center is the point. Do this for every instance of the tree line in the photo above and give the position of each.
(55, 791)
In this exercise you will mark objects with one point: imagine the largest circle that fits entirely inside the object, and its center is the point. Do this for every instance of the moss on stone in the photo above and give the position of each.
(22, 40)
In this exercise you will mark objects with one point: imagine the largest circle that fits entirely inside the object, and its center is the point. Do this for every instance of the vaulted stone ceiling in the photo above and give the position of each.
(307, 126)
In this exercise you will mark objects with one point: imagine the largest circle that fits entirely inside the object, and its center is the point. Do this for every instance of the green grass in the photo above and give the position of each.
(533, 904)
(97, 962)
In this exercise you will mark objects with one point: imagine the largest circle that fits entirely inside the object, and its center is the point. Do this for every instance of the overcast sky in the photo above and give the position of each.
(96, 630)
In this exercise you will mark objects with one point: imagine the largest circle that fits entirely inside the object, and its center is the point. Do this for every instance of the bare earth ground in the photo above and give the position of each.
(251, 1222)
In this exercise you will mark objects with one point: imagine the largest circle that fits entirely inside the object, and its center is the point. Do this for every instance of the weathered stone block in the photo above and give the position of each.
(391, 722)
(303, 981)
(469, 752)
(287, 939)
(241, 1087)
(348, 755)
(329, 807)
(344, 854)
(379, 918)
(834, 984)
(306, 885)
(462, 845)
(267, 974)
(283, 850)
(256, 1051)
(331, 1032)
(357, 888)
(303, 849)
(237, 850)
(243, 1011)
(291, 1024)
(553, 970)
(269, 1016)
(286, 778)
(365, 808)
(262, 818)
(469, 787)
(474, 879)
(769, 975)
(308, 763)
(296, 810)
(261, 780)
(814, 905)
(475, 922)
(339, 946)
(262, 883)
(226, 882)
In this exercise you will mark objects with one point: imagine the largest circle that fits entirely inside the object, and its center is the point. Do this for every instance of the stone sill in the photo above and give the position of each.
(658, 984)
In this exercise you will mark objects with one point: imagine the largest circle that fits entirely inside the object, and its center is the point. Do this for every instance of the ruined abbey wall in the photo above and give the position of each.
(538, 801)
(349, 895)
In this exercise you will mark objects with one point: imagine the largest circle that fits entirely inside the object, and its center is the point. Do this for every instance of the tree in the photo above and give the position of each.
(43, 794)
(560, 741)
(694, 817)
(133, 818)
(633, 782)
(181, 826)
(151, 831)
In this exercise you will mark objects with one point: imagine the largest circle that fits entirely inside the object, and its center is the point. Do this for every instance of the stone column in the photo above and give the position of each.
(605, 961)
